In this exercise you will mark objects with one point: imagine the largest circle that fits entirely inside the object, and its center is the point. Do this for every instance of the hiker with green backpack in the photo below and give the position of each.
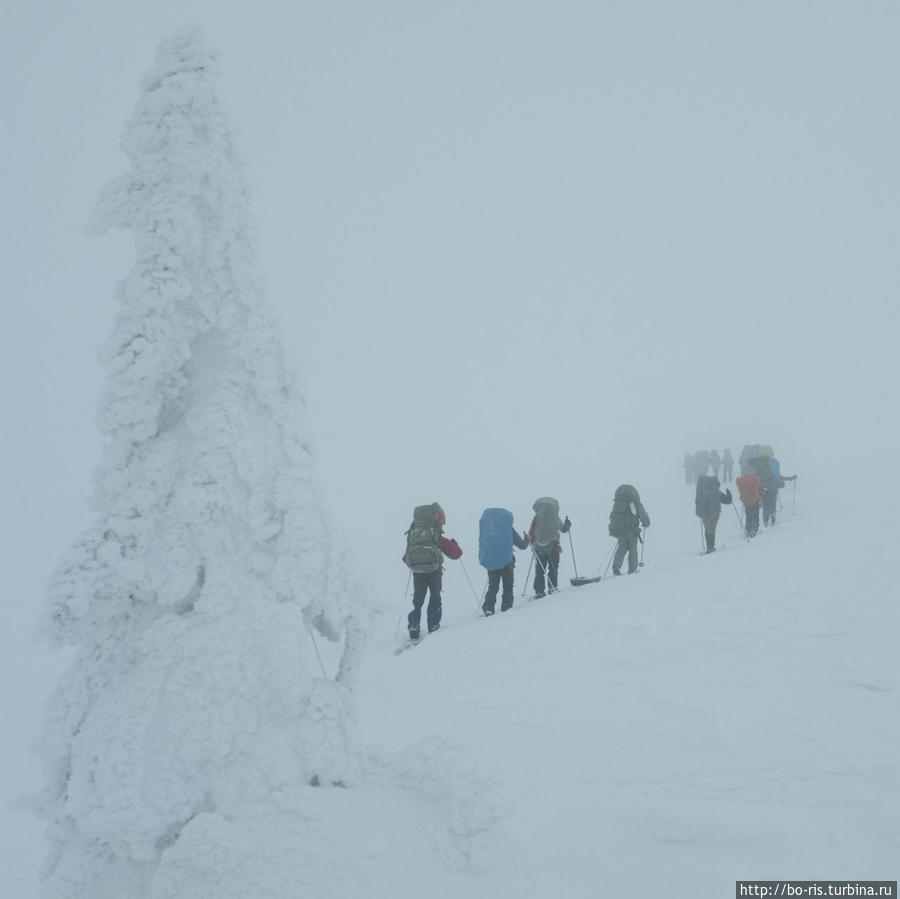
(426, 547)
(544, 537)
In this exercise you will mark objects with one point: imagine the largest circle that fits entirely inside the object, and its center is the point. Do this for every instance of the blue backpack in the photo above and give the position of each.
(495, 539)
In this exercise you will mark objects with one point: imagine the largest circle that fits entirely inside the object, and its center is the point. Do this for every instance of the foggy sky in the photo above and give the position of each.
(515, 248)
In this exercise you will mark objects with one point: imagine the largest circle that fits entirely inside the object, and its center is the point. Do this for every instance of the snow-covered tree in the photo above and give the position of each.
(196, 713)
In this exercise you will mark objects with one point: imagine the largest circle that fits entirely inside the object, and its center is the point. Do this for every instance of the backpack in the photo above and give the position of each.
(623, 520)
(708, 503)
(495, 540)
(423, 539)
(546, 521)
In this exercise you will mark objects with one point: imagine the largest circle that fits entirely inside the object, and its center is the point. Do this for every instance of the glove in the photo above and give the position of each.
(453, 541)
(728, 492)
(567, 523)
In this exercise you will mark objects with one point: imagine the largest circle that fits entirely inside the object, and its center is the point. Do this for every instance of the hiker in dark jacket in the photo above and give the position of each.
(744, 459)
(701, 463)
(625, 520)
(688, 468)
(770, 484)
(506, 575)
(429, 581)
(727, 465)
(708, 506)
(715, 463)
(547, 555)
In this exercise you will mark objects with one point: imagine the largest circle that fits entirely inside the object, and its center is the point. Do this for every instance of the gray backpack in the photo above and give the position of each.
(623, 520)
(423, 539)
(546, 521)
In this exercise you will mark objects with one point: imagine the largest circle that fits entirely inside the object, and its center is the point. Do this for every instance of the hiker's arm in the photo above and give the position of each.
(450, 548)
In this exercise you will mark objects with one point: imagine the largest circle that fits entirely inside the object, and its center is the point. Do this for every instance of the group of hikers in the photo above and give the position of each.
(426, 547)
(758, 484)
(698, 464)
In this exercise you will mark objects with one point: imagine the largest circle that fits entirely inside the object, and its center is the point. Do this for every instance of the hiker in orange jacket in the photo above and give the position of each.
(748, 486)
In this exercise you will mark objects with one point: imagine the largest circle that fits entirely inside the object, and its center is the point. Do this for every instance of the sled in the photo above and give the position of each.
(581, 581)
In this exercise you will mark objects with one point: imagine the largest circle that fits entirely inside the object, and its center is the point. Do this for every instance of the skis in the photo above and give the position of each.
(535, 596)
(410, 643)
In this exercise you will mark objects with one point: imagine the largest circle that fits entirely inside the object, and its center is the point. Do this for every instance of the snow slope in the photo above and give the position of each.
(710, 719)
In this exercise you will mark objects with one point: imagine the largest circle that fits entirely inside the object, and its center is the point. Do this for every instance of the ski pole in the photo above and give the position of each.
(537, 561)
(740, 519)
(794, 497)
(528, 574)
(484, 591)
(471, 587)
(609, 559)
(405, 594)
(572, 547)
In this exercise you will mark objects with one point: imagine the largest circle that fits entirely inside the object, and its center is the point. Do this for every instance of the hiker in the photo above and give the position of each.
(727, 465)
(544, 537)
(701, 463)
(715, 463)
(748, 488)
(688, 468)
(625, 520)
(708, 505)
(770, 484)
(496, 538)
(744, 459)
(426, 547)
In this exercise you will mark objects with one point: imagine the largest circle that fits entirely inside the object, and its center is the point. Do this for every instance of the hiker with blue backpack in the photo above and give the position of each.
(496, 539)
(426, 547)
(543, 534)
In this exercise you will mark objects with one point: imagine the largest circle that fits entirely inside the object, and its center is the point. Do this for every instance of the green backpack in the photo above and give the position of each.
(423, 539)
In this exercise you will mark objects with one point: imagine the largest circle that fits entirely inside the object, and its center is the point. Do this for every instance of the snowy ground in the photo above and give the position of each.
(710, 719)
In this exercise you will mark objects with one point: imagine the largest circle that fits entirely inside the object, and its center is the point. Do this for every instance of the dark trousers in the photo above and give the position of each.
(494, 578)
(769, 502)
(709, 531)
(423, 583)
(751, 520)
(626, 545)
(545, 559)
(726, 473)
